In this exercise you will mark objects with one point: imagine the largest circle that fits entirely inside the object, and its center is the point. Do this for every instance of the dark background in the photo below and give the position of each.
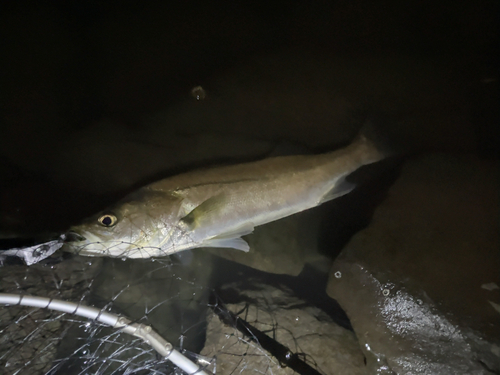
(68, 64)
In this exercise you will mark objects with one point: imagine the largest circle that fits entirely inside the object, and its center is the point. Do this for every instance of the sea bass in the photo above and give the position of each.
(214, 207)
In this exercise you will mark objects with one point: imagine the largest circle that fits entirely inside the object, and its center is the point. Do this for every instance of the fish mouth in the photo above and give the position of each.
(74, 237)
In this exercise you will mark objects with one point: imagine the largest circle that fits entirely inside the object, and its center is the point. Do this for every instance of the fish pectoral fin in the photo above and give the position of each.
(340, 188)
(204, 210)
(232, 238)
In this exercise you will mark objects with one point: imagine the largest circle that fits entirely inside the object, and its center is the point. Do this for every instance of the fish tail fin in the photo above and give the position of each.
(382, 138)
(369, 145)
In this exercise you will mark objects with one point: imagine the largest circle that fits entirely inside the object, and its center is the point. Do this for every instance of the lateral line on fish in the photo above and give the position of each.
(179, 189)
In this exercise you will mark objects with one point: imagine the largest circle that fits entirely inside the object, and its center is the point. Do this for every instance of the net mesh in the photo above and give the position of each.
(184, 297)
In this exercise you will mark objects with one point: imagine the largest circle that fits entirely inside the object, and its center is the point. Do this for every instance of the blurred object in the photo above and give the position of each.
(34, 254)
(199, 93)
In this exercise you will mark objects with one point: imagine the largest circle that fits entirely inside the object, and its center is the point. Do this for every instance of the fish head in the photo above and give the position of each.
(141, 226)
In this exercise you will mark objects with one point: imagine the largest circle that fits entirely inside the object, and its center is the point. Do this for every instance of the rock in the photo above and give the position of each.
(303, 329)
(411, 283)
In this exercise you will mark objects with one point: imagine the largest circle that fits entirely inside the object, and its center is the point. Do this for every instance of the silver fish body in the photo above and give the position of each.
(214, 207)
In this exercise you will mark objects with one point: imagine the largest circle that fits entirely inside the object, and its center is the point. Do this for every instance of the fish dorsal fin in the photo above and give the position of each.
(232, 238)
(340, 188)
(204, 210)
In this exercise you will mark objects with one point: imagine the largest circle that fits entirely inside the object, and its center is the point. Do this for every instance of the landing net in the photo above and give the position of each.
(189, 299)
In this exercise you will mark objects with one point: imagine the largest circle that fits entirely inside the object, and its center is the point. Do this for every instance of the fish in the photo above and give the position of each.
(215, 207)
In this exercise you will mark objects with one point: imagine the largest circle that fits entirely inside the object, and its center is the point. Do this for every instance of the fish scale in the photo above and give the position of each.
(214, 207)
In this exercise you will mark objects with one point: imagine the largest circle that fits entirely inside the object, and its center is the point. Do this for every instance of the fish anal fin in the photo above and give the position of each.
(235, 243)
(342, 187)
(232, 238)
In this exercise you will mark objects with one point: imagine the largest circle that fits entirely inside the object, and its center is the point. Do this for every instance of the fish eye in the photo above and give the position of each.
(107, 220)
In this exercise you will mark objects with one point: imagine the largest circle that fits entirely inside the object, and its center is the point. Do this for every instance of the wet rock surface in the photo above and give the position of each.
(413, 282)
(288, 320)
